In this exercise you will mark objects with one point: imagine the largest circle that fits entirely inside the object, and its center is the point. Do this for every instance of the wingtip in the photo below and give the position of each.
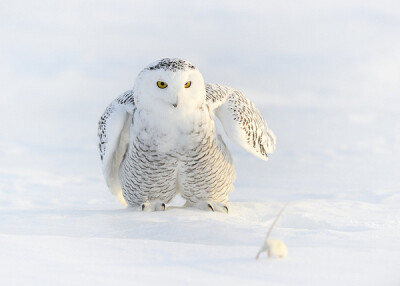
(261, 155)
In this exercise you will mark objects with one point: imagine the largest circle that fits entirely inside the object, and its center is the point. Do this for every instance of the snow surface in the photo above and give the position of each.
(325, 75)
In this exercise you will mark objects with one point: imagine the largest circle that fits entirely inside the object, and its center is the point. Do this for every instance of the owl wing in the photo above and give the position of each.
(113, 135)
(241, 120)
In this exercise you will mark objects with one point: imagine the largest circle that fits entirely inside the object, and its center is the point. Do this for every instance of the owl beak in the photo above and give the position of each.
(175, 104)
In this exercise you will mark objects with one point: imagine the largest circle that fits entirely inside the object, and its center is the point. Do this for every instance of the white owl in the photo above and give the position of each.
(159, 138)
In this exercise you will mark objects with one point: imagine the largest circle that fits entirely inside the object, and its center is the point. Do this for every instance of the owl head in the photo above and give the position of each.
(170, 83)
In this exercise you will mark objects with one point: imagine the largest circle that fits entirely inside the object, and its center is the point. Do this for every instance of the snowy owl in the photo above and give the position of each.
(159, 138)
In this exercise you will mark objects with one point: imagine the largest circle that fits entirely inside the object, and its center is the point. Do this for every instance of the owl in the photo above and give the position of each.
(159, 138)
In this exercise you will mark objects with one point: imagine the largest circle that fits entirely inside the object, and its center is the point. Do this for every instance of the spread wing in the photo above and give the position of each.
(113, 135)
(241, 120)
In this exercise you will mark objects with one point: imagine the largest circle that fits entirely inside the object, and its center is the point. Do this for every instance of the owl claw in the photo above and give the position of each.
(210, 206)
(153, 206)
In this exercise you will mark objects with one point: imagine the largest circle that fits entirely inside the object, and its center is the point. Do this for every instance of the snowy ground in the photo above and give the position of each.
(325, 78)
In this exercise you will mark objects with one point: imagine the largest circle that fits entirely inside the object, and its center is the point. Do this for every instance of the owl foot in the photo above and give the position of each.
(211, 206)
(152, 206)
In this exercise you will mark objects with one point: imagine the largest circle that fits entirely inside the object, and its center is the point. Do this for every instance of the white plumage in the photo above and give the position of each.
(159, 138)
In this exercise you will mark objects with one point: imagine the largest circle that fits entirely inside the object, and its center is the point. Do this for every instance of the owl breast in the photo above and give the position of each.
(172, 132)
(175, 152)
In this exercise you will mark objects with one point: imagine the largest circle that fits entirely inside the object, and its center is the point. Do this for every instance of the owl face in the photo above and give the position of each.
(171, 84)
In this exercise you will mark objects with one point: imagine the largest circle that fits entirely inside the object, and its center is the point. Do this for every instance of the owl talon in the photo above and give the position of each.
(153, 206)
(210, 206)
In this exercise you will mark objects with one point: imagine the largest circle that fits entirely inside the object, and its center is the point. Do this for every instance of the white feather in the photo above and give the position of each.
(242, 121)
(113, 132)
(118, 125)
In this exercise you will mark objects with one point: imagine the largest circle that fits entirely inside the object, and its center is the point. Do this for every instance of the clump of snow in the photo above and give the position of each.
(274, 247)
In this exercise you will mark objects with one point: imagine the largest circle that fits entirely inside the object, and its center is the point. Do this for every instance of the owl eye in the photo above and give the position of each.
(188, 84)
(161, 84)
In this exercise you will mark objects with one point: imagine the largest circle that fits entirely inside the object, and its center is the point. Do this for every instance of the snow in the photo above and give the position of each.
(325, 75)
(330, 243)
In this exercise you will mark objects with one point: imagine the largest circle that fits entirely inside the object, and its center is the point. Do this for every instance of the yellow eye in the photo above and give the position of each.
(188, 84)
(161, 84)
